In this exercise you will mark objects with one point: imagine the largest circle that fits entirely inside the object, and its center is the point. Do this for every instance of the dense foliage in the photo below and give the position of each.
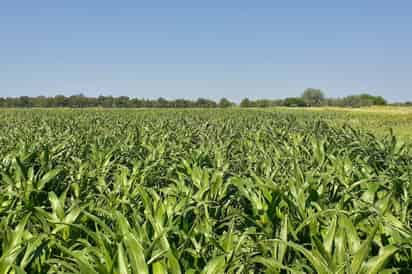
(81, 101)
(200, 191)
(310, 97)
(315, 98)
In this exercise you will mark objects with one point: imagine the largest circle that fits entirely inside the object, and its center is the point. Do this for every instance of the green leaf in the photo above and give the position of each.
(375, 264)
(47, 178)
(121, 260)
(361, 255)
(216, 265)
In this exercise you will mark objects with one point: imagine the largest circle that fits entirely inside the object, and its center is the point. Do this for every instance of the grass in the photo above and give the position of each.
(204, 191)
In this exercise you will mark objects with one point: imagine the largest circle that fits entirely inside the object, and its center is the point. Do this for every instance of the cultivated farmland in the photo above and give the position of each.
(203, 191)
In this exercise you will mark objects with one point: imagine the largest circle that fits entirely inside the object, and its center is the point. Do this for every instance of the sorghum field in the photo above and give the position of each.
(203, 191)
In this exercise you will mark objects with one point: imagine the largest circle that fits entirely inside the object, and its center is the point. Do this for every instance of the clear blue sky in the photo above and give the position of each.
(211, 49)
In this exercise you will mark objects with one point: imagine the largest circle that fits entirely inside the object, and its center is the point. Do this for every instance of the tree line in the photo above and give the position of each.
(315, 98)
(81, 101)
(310, 98)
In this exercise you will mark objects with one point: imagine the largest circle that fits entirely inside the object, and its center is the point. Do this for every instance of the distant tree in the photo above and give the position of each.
(362, 100)
(246, 103)
(225, 103)
(205, 103)
(313, 97)
(294, 102)
(183, 103)
(40, 101)
(24, 101)
(60, 101)
(136, 103)
(122, 101)
(380, 101)
(106, 101)
(162, 103)
(262, 103)
(80, 101)
(77, 101)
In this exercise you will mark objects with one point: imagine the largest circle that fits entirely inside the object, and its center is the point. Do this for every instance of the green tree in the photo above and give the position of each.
(205, 103)
(246, 103)
(162, 103)
(294, 102)
(363, 100)
(225, 103)
(313, 97)
(263, 103)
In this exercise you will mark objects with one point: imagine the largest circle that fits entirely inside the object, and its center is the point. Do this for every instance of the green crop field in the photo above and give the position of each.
(377, 120)
(205, 191)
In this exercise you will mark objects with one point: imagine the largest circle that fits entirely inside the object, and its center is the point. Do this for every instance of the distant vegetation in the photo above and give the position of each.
(316, 98)
(310, 98)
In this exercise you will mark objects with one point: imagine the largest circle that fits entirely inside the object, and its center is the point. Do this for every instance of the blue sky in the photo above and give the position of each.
(211, 49)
